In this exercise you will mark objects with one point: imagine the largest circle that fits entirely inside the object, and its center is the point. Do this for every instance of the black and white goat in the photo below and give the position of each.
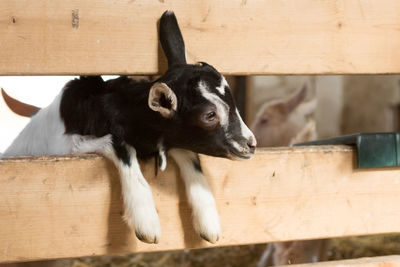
(186, 111)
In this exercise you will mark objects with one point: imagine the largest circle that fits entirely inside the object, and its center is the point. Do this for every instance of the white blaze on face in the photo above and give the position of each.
(221, 88)
(223, 112)
(222, 107)
(246, 133)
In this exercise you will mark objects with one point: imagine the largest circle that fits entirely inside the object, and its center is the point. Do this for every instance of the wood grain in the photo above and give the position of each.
(54, 207)
(237, 37)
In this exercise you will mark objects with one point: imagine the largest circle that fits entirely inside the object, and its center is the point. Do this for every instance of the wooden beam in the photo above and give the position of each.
(237, 37)
(384, 261)
(70, 206)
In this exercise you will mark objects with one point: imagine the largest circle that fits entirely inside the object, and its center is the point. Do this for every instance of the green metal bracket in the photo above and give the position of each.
(373, 149)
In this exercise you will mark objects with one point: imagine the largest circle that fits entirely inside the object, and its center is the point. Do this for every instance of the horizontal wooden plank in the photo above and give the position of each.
(237, 37)
(70, 206)
(384, 261)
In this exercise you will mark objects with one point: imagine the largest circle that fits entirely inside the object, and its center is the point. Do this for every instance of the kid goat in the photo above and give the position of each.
(188, 110)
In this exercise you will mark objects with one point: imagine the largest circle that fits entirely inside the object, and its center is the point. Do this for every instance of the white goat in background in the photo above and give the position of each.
(284, 122)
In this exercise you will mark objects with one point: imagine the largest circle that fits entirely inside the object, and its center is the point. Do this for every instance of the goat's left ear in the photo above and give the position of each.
(162, 99)
(171, 39)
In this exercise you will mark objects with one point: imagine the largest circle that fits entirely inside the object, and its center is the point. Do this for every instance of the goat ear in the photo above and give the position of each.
(309, 107)
(163, 100)
(171, 39)
(293, 102)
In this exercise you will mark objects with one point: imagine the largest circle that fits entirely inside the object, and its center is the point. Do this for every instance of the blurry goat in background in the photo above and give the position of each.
(284, 122)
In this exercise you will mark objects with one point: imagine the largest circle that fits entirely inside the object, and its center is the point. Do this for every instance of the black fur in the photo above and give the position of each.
(90, 106)
(82, 107)
(120, 151)
(171, 39)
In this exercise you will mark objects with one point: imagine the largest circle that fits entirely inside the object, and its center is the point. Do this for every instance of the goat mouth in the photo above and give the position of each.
(236, 155)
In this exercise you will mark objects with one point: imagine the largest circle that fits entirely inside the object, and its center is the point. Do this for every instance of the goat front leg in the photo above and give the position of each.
(204, 211)
(140, 212)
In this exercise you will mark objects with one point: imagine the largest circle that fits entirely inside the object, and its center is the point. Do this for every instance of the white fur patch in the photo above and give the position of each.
(140, 212)
(87, 144)
(162, 155)
(221, 88)
(43, 135)
(246, 133)
(205, 214)
(222, 107)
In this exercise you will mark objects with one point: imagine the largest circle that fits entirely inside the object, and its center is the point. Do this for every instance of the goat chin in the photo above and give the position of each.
(239, 158)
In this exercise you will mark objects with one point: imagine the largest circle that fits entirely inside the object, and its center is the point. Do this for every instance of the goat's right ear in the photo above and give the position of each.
(171, 39)
(294, 101)
(163, 100)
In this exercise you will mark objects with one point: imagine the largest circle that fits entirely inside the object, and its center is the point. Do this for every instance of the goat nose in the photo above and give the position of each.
(252, 143)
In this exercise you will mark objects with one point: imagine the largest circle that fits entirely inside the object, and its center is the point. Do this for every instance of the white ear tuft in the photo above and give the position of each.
(163, 100)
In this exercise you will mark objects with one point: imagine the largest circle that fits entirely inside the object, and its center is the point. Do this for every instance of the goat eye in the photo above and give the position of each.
(264, 120)
(208, 120)
(210, 116)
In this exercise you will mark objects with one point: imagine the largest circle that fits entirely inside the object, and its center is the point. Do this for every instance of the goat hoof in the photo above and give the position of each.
(146, 224)
(146, 238)
(206, 224)
(150, 234)
(206, 238)
(211, 239)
